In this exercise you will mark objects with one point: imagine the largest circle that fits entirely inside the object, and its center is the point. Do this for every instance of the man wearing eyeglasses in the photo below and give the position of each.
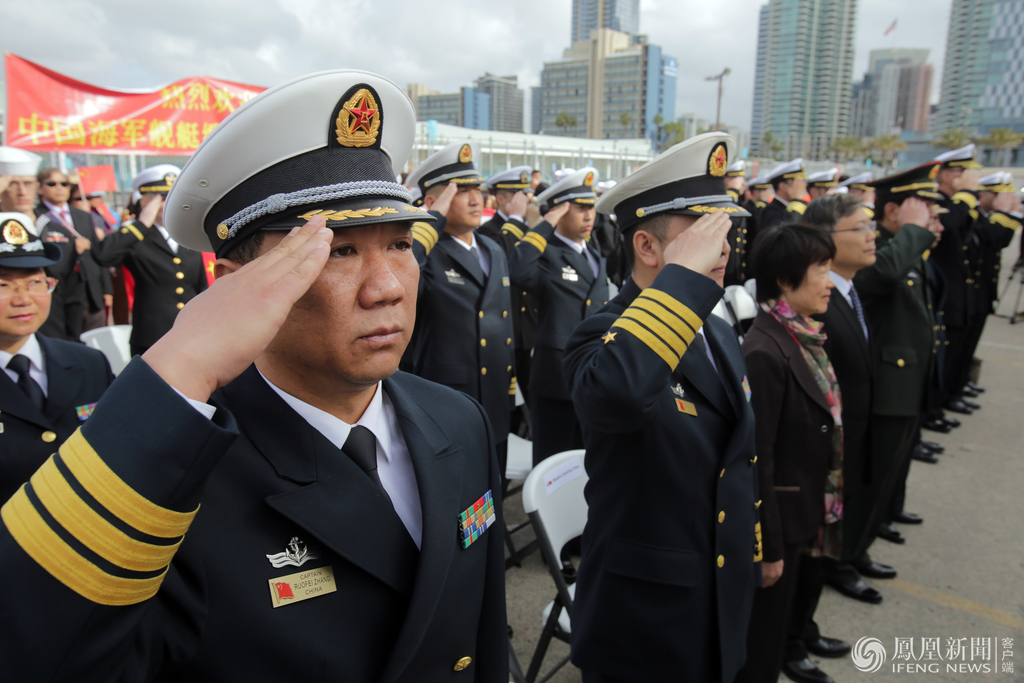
(48, 387)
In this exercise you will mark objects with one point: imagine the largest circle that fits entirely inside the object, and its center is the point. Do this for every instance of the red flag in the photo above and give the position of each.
(284, 590)
(208, 261)
(892, 27)
(97, 179)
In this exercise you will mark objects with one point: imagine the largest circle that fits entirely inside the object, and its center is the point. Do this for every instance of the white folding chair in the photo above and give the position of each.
(112, 342)
(553, 499)
(744, 307)
(722, 311)
(520, 462)
(751, 287)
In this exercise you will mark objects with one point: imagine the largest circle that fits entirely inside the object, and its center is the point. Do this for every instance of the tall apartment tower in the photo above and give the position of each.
(1002, 102)
(618, 15)
(893, 96)
(966, 70)
(803, 75)
(506, 101)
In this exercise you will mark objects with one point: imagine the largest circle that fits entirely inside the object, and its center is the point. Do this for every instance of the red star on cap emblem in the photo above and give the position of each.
(361, 117)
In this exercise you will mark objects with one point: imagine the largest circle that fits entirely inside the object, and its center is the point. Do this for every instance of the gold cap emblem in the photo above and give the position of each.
(169, 179)
(524, 177)
(932, 174)
(589, 180)
(359, 120)
(718, 162)
(465, 154)
(14, 233)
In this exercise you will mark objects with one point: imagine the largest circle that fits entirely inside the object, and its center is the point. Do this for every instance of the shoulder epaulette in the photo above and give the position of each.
(130, 227)
(1002, 219)
(967, 198)
(797, 206)
(537, 240)
(513, 229)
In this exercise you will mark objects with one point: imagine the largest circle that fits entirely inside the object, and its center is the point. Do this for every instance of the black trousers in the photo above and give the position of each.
(954, 373)
(502, 450)
(810, 581)
(891, 440)
(769, 622)
(974, 331)
(555, 427)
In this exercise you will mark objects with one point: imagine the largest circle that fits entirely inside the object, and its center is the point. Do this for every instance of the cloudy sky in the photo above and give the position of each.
(118, 44)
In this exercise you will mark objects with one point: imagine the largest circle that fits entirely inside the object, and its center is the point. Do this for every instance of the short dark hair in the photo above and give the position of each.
(45, 173)
(249, 249)
(826, 211)
(782, 255)
(656, 225)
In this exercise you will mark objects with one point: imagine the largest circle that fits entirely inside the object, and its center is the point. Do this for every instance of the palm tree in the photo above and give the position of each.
(999, 139)
(847, 147)
(658, 120)
(562, 121)
(886, 145)
(953, 138)
(675, 133)
(625, 119)
(772, 144)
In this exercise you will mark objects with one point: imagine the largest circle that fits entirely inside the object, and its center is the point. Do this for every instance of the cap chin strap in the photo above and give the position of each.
(276, 203)
(684, 202)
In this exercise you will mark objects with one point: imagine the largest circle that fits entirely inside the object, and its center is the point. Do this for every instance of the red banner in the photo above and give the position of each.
(49, 112)
(96, 179)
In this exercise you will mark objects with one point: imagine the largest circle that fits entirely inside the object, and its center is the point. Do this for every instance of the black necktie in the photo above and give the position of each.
(479, 270)
(859, 310)
(20, 364)
(361, 446)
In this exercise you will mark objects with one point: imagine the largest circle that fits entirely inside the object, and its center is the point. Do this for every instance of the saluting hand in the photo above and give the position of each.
(700, 246)
(443, 202)
(222, 331)
(914, 210)
(150, 211)
(556, 213)
(517, 205)
(1005, 201)
(5, 181)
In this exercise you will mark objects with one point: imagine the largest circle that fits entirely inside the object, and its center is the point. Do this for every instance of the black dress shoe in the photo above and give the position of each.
(888, 533)
(804, 671)
(922, 454)
(976, 387)
(876, 570)
(957, 406)
(908, 518)
(936, 448)
(951, 421)
(858, 590)
(970, 404)
(832, 648)
(938, 424)
(969, 393)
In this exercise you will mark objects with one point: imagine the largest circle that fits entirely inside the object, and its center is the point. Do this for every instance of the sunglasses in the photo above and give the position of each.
(55, 183)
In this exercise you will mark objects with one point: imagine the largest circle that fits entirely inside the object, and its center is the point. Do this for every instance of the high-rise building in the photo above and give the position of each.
(618, 15)
(506, 101)
(1002, 101)
(536, 101)
(417, 90)
(803, 75)
(468, 108)
(966, 69)
(612, 85)
(694, 124)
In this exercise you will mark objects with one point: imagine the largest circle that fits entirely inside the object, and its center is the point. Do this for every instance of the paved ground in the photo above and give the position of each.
(961, 573)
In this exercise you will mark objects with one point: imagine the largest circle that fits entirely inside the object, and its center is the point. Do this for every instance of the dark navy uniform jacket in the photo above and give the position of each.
(777, 211)
(463, 336)
(507, 233)
(164, 281)
(567, 291)
(76, 378)
(671, 550)
(131, 483)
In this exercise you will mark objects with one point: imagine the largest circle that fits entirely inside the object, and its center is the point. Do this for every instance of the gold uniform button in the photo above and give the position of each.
(757, 505)
(504, 314)
(508, 341)
(721, 474)
(483, 342)
(721, 561)
(180, 275)
(508, 369)
(588, 302)
(222, 231)
(483, 371)
(910, 283)
(179, 290)
(900, 362)
(480, 314)
(176, 259)
(180, 305)
(966, 262)
(463, 663)
(721, 516)
(49, 437)
(753, 461)
(523, 309)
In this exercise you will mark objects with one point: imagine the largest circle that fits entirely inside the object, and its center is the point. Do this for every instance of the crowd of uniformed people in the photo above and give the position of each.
(328, 423)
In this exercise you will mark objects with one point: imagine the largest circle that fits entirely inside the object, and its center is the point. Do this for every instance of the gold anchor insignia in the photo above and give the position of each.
(358, 121)
(169, 179)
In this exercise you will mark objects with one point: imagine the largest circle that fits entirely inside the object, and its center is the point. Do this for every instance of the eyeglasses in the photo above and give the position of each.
(867, 229)
(39, 286)
(55, 183)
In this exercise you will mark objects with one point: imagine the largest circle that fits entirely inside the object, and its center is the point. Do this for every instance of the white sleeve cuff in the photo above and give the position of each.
(514, 217)
(204, 408)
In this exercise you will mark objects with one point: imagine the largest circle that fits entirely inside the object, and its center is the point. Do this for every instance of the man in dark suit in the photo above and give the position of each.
(790, 185)
(671, 550)
(167, 275)
(345, 508)
(56, 207)
(49, 386)
(557, 264)
(464, 336)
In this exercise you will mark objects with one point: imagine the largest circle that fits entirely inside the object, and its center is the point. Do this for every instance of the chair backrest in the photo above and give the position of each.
(722, 311)
(520, 458)
(112, 342)
(743, 305)
(751, 287)
(553, 493)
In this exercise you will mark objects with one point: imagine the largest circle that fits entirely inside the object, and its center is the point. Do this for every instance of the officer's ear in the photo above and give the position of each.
(223, 266)
(646, 248)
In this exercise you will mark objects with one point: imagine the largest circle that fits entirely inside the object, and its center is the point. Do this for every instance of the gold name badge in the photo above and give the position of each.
(686, 407)
(300, 586)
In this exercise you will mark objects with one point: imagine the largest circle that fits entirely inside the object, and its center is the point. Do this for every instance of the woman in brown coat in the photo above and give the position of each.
(797, 406)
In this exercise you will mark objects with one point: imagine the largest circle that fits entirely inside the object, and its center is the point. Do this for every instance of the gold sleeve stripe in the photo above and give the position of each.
(667, 334)
(135, 231)
(99, 535)
(677, 325)
(514, 229)
(797, 207)
(536, 240)
(1005, 221)
(647, 337)
(112, 493)
(691, 318)
(51, 553)
(422, 240)
(512, 387)
(967, 198)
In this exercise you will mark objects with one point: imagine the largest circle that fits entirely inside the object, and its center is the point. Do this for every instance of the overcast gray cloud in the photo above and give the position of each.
(117, 44)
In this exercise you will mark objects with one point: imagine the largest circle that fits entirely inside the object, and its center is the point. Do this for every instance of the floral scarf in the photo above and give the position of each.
(807, 333)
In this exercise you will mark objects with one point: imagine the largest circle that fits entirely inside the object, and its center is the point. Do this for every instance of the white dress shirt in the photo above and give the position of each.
(167, 236)
(481, 254)
(63, 214)
(707, 348)
(37, 368)
(503, 217)
(580, 249)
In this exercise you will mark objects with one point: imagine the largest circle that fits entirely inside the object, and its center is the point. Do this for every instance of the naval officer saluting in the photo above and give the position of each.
(789, 182)
(345, 506)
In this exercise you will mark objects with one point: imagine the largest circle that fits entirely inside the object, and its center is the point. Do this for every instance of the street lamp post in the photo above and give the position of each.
(718, 110)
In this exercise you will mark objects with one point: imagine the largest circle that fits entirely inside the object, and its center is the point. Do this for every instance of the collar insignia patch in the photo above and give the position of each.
(295, 554)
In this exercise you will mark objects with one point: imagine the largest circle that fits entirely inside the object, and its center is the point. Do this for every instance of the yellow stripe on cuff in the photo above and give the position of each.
(1005, 221)
(50, 552)
(676, 324)
(691, 318)
(648, 338)
(667, 334)
(536, 240)
(134, 230)
(514, 229)
(96, 533)
(111, 492)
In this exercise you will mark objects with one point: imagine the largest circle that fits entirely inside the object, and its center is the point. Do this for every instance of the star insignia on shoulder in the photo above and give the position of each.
(610, 337)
